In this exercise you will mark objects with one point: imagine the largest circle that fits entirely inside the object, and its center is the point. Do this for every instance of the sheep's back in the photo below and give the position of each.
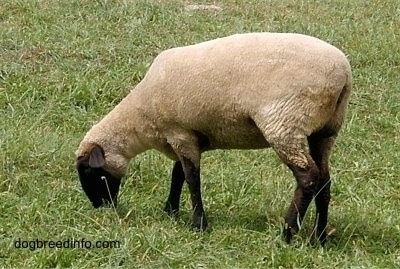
(220, 87)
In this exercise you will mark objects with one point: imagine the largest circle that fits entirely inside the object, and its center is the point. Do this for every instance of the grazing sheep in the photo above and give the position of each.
(246, 91)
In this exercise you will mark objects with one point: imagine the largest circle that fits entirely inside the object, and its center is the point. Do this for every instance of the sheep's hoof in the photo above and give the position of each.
(288, 232)
(314, 239)
(199, 223)
(170, 210)
(322, 237)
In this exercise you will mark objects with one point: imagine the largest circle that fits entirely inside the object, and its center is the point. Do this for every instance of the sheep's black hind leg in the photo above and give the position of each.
(178, 178)
(307, 179)
(320, 147)
(192, 176)
(306, 173)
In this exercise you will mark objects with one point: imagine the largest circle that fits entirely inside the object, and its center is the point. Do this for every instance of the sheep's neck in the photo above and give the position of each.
(125, 129)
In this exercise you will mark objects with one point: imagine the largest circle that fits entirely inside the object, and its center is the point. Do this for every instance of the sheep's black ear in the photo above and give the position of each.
(96, 157)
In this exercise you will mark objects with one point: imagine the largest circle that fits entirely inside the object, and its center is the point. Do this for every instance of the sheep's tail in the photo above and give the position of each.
(335, 123)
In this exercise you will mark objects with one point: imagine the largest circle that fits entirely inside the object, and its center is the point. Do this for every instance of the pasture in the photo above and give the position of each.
(65, 64)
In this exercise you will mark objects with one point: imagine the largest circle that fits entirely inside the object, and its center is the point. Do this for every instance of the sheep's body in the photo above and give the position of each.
(244, 91)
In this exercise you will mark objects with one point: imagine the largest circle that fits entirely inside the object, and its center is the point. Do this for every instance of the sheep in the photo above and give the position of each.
(244, 91)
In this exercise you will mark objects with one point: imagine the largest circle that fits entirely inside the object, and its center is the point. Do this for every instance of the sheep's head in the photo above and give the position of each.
(100, 186)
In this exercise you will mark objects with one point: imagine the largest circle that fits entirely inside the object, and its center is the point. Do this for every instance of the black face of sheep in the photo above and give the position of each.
(99, 185)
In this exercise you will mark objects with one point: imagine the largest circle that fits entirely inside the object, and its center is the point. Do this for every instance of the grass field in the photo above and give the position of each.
(65, 64)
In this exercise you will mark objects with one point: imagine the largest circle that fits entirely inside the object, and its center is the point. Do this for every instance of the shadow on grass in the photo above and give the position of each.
(358, 233)
(245, 220)
(351, 233)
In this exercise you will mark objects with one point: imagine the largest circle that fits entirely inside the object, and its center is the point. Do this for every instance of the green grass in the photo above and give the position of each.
(65, 64)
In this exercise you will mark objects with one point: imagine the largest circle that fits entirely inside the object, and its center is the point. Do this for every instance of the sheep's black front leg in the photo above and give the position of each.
(192, 176)
(178, 178)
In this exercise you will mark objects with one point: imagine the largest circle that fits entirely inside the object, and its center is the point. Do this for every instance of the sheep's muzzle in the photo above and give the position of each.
(99, 185)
